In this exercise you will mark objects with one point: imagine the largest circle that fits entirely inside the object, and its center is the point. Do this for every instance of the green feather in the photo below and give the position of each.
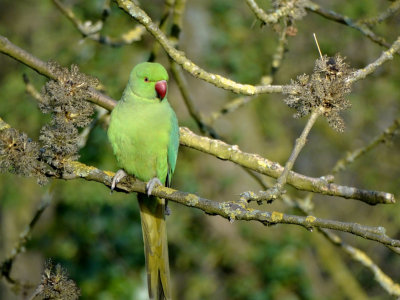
(144, 135)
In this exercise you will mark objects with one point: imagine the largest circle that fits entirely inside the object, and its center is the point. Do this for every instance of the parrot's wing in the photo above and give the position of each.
(172, 148)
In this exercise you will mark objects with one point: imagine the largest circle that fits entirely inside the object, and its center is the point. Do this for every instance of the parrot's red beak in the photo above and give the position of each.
(161, 88)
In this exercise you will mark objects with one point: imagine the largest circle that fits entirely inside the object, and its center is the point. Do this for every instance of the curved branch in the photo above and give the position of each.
(42, 68)
(179, 57)
(273, 17)
(264, 166)
(360, 256)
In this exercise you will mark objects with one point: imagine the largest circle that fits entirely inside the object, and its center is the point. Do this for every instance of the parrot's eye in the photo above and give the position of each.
(146, 79)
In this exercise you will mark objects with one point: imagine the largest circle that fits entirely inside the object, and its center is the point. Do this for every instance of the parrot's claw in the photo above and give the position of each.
(152, 184)
(117, 178)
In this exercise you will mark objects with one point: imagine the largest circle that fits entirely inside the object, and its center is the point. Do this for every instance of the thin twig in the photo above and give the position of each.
(275, 191)
(229, 107)
(24, 237)
(390, 11)
(334, 16)
(84, 135)
(357, 255)
(360, 256)
(352, 156)
(238, 102)
(31, 90)
(92, 31)
(384, 57)
(305, 206)
(273, 17)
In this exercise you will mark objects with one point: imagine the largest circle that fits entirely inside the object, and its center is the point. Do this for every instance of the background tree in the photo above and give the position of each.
(66, 61)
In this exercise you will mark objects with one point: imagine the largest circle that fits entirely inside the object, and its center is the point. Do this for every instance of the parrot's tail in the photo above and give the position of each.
(152, 214)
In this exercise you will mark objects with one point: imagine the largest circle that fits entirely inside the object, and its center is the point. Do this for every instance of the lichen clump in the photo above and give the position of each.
(56, 285)
(326, 88)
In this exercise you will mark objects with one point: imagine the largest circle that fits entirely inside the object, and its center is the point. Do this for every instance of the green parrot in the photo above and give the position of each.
(144, 135)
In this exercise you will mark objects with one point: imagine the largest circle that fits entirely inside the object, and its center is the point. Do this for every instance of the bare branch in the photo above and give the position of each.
(31, 90)
(24, 237)
(238, 102)
(334, 16)
(390, 11)
(92, 31)
(42, 68)
(264, 166)
(275, 191)
(352, 156)
(294, 9)
(385, 56)
(356, 254)
(360, 256)
(229, 107)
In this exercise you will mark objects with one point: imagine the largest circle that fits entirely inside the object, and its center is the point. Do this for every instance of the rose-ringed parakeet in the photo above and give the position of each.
(144, 135)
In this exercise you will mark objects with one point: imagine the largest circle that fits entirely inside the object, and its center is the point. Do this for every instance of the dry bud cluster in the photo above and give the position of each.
(65, 98)
(56, 285)
(326, 88)
(20, 155)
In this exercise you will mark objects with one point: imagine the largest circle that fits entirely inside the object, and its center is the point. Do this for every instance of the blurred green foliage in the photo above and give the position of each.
(96, 236)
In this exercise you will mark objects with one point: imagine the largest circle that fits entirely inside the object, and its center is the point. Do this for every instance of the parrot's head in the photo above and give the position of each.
(149, 80)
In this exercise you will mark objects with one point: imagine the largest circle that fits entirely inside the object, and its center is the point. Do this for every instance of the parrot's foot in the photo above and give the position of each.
(117, 178)
(152, 184)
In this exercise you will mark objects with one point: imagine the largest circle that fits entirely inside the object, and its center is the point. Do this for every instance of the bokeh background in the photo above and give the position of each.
(96, 236)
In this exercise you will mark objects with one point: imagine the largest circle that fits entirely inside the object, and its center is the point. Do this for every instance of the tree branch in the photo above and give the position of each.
(179, 57)
(228, 210)
(264, 166)
(42, 68)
